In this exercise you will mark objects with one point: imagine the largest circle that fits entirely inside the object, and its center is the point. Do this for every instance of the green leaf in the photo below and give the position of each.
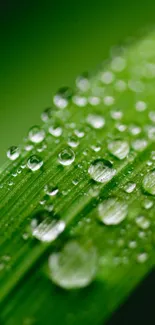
(77, 201)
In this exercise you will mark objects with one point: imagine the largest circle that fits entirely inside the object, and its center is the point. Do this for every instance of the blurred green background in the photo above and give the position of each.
(46, 44)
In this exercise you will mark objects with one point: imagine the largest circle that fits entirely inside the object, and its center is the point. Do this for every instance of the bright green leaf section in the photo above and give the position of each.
(98, 153)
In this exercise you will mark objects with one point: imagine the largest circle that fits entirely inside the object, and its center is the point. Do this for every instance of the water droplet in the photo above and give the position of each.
(82, 82)
(50, 190)
(152, 116)
(149, 183)
(45, 228)
(73, 141)
(142, 258)
(79, 133)
(101, 171)
(55, 130)
(36, 134)
(116, 115)
(132, 244)
(93, 100)
(120, 85)
(118, 64)
(62, 97)
(129, 187)
(119, 148)
(107, 77)
(141, 106)
(139, 144)
(147, 204)
(151, 132)
(142, 222)
(34, 163)
(47, 114)
(74, 267)
(112, 211)
(108, 100)
(80, 101)
(13, 153)
(135, 129)
(96, 121)
(66, 157)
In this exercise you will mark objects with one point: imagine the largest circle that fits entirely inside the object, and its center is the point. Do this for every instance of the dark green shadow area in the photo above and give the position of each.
(46, 45)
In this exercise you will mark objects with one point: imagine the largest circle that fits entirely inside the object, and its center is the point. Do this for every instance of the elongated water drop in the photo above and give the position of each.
(74, 267)
(101, 171)
(34, 163)
(149, 182)
(112, 211)
(119, 149)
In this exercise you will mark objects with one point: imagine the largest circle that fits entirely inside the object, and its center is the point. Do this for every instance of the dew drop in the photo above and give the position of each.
(120, 85)
(141, 106)
(62, 97)
(80, 101)
(139, 144)
(129, 187)
(74, 267)
(142, 258)
(55, 130)
(36, 134)
(118, 64)
(108, 100)
(47, 114)
(149, 183)
(142, 222)
(112, 211)
(13, 153)
(147, 204)
(73, 141)
(34, 163)
(45, 228)
(66, 157)
(50, 190)
(107, 77)
(101, 171)
(119, 148)
(96, 121)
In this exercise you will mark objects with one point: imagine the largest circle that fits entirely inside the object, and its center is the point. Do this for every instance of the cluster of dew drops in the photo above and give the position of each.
(75, 266)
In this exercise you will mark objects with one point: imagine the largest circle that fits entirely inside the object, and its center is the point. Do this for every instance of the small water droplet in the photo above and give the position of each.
(34, 163)
(47, 114)
(147, 204)
(36, 134)
(118, 64)
(96, 121)
(82, 82)
(107, 77)
(73, 141)
(108, 100)
(132, 244)
(74, 267)
(141, 106)
(101, 171)
(112, 211)
(80, 101)
(62, 97)
(66, 157)
(50, 190)
(119, 148)
(142, 258)
(55, 130)
(120, 85)
(142, 222)
(13, 153)
(45, 227)
(129, 187)
(149, 182)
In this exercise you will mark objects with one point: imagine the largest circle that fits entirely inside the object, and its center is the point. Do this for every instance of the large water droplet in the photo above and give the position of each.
(55, 129)
(101, 171)
(62, 97)
(36, 134)
(66, 157)
(119, 148)
(47, 114)
(96, 121)
(112, 211)
(74, 267)
(149, 183)
(45, 228)
(34, 163)
(13, 153)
